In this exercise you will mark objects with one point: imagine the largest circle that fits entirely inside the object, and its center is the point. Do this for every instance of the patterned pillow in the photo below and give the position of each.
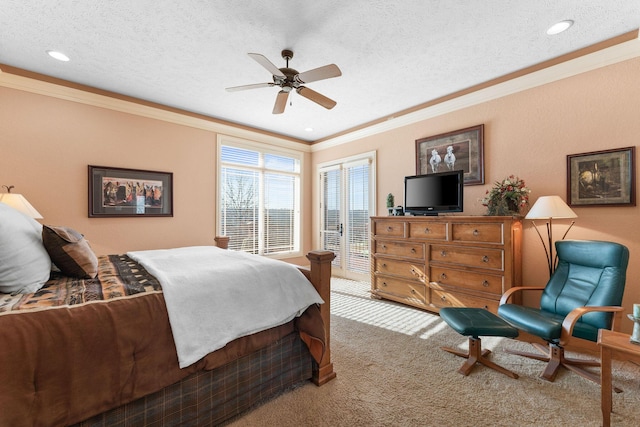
(24, 263)
(70, 252)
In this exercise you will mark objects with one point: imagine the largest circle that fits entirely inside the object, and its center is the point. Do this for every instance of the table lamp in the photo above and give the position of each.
(550, 208)
(19, 202)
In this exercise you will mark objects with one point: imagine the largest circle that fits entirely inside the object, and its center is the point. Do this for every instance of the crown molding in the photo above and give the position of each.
(618, 53)
(521, 81)
(16, 81)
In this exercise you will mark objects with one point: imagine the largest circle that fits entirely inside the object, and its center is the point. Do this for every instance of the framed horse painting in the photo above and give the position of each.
(460, 149)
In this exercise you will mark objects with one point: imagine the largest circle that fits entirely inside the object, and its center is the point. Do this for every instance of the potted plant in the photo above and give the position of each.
(507, 197)
(390, 202)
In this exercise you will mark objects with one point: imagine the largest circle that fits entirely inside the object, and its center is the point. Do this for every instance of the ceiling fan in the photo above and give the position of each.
(289, 79)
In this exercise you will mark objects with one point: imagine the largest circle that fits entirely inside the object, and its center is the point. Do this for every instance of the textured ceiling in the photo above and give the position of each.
(393, 55)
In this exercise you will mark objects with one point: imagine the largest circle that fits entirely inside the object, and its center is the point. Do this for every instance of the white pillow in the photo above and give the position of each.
(25, 265)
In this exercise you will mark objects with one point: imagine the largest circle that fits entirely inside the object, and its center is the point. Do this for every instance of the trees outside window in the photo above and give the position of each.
(259, 202)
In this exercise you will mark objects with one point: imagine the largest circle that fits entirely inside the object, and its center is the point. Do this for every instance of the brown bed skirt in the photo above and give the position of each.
(71, 355)
(208, 398)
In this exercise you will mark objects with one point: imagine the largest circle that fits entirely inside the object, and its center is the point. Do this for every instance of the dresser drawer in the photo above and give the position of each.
(468, 280)
(411, 292)
(389, 228)
(403, 249)
(478, 232)
(408, 269)
(442, 299)
(472, 257)
(428, 230)
(448, 261)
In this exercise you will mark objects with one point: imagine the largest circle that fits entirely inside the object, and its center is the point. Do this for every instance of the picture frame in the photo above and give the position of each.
(602, 178)
(466, 146)
(119, 192)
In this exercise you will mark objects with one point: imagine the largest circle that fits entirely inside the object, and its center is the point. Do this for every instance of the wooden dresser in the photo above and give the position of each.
(445, 261)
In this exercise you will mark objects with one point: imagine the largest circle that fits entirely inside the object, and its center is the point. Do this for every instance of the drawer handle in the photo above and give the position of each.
(486, 307)
(485, 259)
(413, 291)
(413, 271)
(384, 265)
(443, 253)
(384, 284)
(427, 231)
(476, 233)
(413, 250)
(384, 246)
(443, 276)
(389, 228)
(485, 284)
(443, 298)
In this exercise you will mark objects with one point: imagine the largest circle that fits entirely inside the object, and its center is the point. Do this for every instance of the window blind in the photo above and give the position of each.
(259, 199)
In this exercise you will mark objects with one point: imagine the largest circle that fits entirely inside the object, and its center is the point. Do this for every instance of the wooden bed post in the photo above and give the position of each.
(222, 242)
(320, 277)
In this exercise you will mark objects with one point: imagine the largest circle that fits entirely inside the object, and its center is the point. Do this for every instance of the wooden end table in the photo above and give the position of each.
(612, 343)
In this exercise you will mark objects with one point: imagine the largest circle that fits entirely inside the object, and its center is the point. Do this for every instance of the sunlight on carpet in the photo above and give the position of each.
(352, 300)
(348, 300)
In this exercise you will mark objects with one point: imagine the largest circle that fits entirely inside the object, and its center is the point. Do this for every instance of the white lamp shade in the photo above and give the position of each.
(550, 207)
(18, 202)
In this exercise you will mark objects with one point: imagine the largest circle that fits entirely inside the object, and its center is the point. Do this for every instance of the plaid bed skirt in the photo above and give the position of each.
(209, 398)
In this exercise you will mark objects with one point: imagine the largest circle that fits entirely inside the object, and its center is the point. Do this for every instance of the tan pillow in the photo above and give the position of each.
(70, 252)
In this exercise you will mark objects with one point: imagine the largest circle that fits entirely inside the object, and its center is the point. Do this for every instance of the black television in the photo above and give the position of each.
(433, 194)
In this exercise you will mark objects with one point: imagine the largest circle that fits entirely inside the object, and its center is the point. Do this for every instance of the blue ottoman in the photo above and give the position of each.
(474, 323)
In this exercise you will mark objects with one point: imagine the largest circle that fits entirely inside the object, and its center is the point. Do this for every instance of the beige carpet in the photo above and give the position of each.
(391, 372)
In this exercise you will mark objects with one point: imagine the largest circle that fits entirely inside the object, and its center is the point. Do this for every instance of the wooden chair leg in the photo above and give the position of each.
(543, 357)
(555, 358)
(477, 355)
(555, 361)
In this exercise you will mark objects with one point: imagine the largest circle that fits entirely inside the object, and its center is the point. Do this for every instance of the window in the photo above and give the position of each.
(259, 198)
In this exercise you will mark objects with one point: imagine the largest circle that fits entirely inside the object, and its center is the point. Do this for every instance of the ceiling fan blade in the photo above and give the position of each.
(262, 60)
(245, 87)
(316, 97)
(326, 72)
(281, 102)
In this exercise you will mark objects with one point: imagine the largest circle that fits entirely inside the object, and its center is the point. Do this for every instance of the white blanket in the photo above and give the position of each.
(214, 296)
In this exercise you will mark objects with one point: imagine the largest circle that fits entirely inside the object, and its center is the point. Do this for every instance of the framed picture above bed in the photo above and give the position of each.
(460, 149)
(115, 192)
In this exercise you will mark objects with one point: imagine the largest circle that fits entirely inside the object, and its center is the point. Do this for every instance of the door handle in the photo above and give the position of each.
(341, 230)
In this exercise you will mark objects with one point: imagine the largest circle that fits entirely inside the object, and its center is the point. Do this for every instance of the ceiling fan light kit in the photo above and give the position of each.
(289, 79)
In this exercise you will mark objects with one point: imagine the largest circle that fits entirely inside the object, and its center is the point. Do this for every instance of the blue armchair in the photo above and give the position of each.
(583, 295)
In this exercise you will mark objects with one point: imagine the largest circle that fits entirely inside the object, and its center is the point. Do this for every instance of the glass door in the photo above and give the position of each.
(346, 204)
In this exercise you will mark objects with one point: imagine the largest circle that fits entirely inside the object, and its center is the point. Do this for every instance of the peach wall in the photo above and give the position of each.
(529, 134)
(47, 143)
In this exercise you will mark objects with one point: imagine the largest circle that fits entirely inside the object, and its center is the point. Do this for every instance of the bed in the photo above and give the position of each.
(101, 351)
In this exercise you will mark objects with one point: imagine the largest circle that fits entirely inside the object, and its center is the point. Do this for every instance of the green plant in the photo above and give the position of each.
(390, 200)
(507, 197)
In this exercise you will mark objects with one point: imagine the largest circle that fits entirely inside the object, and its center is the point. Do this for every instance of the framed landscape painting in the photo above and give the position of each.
(602, 178)
(460, 149)
(118, 192)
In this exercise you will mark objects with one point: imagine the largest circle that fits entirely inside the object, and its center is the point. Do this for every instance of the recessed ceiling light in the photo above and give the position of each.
(308, 129)
(559, 27)
(58, 55)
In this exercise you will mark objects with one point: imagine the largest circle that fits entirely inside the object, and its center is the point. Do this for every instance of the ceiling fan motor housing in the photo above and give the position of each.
(290, 81)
